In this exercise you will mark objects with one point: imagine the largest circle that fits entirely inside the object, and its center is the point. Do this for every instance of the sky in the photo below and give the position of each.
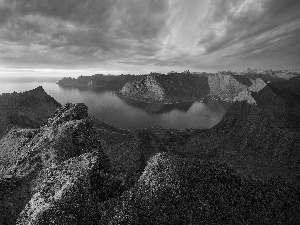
(84, 37)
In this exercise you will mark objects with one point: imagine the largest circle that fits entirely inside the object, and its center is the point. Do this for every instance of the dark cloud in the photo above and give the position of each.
(5, 14)
(90, 12)
(239, 23)
(99, 30)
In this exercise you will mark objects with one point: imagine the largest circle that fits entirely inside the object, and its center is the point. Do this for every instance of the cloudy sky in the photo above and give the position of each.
(73, 37)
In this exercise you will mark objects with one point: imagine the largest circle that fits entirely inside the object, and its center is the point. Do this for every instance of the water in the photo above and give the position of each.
(125, 113)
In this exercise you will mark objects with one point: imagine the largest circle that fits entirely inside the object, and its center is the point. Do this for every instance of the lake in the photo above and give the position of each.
(122, 112)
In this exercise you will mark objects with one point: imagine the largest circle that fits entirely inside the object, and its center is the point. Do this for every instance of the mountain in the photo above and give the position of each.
(233, 88)
(75, 169)
(29, 109)
(24, 153)
(268, 75)
(172, 190)
(186, 87)
(107, 82)
(290, 86)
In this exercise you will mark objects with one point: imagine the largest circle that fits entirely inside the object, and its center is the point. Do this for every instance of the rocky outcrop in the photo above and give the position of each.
(24, 153)
(233, 88)
(224, 87)
(147, 89)
(68, 193)
(29, 109)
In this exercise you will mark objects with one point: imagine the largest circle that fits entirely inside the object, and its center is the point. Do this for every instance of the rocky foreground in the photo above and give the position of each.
(76, 170)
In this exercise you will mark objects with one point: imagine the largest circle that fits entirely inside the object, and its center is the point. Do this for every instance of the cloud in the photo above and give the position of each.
(159, 35)
(92, 30)
(235, 21)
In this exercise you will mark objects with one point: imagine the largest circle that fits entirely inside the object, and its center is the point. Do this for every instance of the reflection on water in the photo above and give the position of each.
(156, 108)
(126, 113)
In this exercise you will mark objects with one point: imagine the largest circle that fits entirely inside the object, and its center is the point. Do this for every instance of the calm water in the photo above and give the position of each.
(125, 113)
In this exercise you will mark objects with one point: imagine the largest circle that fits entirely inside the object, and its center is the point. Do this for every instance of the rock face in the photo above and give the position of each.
(26, 110)
(147, 89)
(232, 88)
(224, 87)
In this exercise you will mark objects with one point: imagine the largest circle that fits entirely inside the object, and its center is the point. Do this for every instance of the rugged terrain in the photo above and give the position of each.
(75, 169)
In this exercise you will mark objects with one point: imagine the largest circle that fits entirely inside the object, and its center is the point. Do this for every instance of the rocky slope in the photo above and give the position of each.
(232, 88)
(26, 110)
(172, 190)
(25, 153)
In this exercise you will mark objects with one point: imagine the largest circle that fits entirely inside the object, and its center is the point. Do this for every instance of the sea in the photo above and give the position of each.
(123, 112)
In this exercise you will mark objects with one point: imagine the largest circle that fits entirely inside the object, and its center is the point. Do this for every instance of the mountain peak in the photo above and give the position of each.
(69, 112)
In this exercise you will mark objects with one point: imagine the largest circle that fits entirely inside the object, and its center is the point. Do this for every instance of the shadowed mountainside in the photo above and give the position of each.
(26, 110)
(172, 190)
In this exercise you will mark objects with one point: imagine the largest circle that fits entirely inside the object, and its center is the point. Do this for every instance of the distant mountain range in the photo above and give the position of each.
(74, 169)
(99, 81)
(187, 87)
